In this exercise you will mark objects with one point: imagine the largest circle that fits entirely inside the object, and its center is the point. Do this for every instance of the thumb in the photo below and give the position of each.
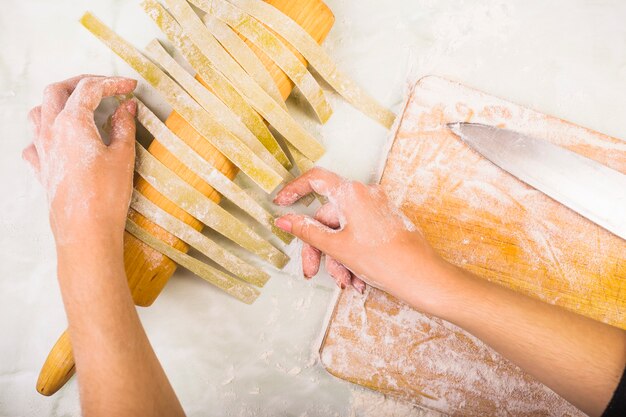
(308, 230)
(123, 125)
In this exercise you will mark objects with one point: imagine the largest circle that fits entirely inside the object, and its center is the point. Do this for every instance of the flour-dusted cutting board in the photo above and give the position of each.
(481, 218)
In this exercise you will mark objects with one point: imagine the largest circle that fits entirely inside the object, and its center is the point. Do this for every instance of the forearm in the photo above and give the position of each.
(117, 369)
(580, 359)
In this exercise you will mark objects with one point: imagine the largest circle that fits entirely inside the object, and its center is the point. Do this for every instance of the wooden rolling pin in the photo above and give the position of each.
(146, 269)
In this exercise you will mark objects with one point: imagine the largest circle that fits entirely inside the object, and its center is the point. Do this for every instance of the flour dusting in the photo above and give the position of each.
(488, 222)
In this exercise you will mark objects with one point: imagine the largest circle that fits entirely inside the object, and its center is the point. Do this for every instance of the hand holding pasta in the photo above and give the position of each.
(88, 183)
(365, 238)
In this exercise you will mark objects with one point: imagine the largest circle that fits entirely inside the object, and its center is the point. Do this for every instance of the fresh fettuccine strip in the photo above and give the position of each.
(242, 53)
(206, 171)
(202, 208)
(238, 289)
(303, 164)
(255, 95)
(214, 79)
(316, 56)
(191, 111)
(198, 241)
(214, 106)
(274, 48)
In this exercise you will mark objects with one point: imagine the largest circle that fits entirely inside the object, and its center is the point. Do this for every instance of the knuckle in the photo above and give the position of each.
(64, 117)
(66, 121)
(52, 89)
(316, 170)
(360, 190)
(305, 232)
(84, 83)
(87, 83)
(358, 186)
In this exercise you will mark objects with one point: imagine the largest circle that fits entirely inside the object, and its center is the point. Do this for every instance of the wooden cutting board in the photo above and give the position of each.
(482, 219)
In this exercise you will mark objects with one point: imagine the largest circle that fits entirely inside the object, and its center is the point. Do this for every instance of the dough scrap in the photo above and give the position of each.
(204, 209)
(192, 112)
(203, 169)
(275, 49)
(214, 79)
(315, 55)
(198, 241)
(245, 85)
(214, 106)
(238, 289)
(245, 56)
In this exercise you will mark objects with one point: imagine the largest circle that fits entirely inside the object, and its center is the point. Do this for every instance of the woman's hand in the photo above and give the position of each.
(88, 183)
(89, 186)
(363, 235)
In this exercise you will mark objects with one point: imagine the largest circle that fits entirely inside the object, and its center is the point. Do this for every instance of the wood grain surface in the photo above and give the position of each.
(482, 219)
(148, 270)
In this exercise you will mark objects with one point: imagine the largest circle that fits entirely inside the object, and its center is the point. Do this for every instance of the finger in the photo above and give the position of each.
(311, 258)
(31, 156)
(34, 117)
(55, 97)
(90, 91)
(316, 179)
(358, 284)
(123, 125)
(309, 231)
(340, 273)
(328, 216)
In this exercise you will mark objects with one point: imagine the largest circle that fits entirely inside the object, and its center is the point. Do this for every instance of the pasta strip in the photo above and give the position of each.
(192, 112)
(240, 290)
(198, 241)
(246, 86)
(202, 208)
(315, 55)
(214, 79)
(206, 171)
(274, 48)
(242, 53)
(305, 165)
(214, 106)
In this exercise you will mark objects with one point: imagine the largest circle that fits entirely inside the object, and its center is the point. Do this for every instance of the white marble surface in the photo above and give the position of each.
(564, 57)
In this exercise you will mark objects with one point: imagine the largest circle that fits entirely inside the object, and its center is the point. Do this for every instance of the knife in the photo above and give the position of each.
(591, 189)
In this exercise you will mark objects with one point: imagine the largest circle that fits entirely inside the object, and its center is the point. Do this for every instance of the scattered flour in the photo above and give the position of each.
(365, 403)
(461, 201)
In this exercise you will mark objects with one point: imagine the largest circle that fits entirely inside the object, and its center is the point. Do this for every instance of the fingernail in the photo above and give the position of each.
(285, 199)
(279, 199)
(283, 224)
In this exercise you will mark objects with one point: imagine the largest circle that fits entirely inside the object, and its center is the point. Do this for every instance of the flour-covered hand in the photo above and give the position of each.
(363, 235)
(88, 182)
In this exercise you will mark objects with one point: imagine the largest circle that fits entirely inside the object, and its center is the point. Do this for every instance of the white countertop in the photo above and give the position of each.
(566, 58)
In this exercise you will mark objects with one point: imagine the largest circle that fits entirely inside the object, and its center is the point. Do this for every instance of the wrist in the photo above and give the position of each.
(429, 287)
(88, 255)
(77, 235)
(458, 296)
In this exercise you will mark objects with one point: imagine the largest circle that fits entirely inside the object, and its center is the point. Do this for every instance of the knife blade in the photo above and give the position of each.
(591, 189)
